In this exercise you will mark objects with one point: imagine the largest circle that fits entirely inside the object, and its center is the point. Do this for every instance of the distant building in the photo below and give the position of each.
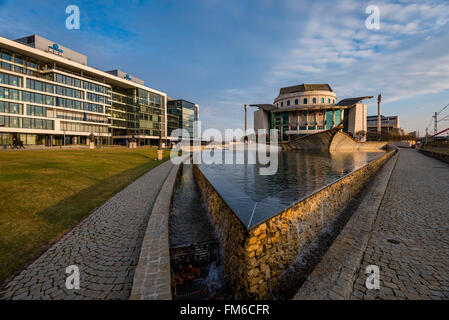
(181, 114)
(390, 124)
(310, 108)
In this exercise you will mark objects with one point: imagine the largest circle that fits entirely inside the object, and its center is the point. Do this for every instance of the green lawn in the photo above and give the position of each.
(45, 192)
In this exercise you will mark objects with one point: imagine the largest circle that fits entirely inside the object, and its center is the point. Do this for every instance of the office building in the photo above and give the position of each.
(50, 96)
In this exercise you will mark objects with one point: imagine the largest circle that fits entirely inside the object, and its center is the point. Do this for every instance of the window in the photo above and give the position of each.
(322, 100)
(305, 101)
(282, 104)
(6, 56)
(6, 66)
(288, 102)
(296, 101)
(314, 100)
(18, 60)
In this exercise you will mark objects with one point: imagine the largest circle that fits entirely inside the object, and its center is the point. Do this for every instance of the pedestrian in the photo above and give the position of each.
(21, 144)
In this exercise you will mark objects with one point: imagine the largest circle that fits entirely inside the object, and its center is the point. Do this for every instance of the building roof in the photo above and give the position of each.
(265, 107)
(352, 101)
(306, 87)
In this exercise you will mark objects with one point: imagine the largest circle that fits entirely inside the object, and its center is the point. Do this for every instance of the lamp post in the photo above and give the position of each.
(379, 120)
(245, 138)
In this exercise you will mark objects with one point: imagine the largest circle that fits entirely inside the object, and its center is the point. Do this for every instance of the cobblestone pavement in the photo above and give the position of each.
(105, 246)
(414, 212)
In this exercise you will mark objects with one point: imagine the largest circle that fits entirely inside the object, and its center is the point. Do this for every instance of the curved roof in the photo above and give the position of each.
(351, 101)
(265, 107)
(306, 87)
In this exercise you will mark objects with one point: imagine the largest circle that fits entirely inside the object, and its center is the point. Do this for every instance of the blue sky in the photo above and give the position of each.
(222, 54)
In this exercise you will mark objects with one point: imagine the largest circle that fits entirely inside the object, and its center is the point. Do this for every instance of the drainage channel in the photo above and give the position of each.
(197, 273)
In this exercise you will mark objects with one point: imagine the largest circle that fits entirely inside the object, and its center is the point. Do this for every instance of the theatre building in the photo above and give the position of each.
(306, 109)
(50, 96)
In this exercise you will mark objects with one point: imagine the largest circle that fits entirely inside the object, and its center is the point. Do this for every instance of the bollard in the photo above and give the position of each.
(159, 154)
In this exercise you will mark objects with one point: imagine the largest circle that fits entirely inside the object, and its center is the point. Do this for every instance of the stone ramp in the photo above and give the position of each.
(334, 276)
(105, 246)
(410, 238)
(403, 231)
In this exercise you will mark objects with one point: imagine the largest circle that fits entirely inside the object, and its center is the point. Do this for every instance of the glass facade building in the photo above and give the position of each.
(181, 114)
(56, 99)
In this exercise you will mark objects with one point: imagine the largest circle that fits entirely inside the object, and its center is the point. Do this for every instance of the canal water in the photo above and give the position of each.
(255, 197)
(197, 271)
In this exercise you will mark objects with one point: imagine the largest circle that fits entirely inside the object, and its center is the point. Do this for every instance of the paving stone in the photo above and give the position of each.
(105, 246)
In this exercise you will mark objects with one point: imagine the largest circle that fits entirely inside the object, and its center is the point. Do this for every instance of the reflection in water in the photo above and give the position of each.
(254, 197)
(189, 223)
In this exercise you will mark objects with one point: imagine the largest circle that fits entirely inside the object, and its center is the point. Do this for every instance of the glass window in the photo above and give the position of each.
(314, 100)
(288, 102)
(6, 56)
(296, 101)
(18, 59)
(322, 100)
(282, 104)
(26, 96)
(2, 106)
(14, 122)
(6, 66)
(305, 101)
(49, 100)
(38, 98)
(26, 123)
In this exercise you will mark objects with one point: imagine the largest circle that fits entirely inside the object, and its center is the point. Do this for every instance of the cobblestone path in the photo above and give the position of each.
(105, 246)
(414, 216)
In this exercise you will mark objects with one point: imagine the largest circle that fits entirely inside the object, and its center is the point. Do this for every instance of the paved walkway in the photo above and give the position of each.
(105, 246)
(415, 212)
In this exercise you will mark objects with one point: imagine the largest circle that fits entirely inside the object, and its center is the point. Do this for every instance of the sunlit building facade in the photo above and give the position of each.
(310, 108)
(50, 96)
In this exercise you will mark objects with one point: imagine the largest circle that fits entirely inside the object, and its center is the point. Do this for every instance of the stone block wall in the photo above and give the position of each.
(254, 259)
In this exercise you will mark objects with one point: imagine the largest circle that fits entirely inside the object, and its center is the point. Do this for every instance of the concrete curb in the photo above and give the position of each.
(333, 278)
(152, 278)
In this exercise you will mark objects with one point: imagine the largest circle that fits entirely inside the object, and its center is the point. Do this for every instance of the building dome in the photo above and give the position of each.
(305, 95)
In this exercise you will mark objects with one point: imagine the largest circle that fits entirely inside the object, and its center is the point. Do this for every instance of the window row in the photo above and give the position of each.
(10, 79)
(10, 107)
(95, 87)
(36, 111)
(80, 127)
(67, 115)
(47, 87)
(67, 80)
(96, 97)
(26, 123)
(305, 101)
(8, 93)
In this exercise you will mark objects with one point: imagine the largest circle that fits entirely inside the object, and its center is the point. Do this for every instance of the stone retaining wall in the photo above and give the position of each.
(254, 259)
(152, 278)
(437, 155)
